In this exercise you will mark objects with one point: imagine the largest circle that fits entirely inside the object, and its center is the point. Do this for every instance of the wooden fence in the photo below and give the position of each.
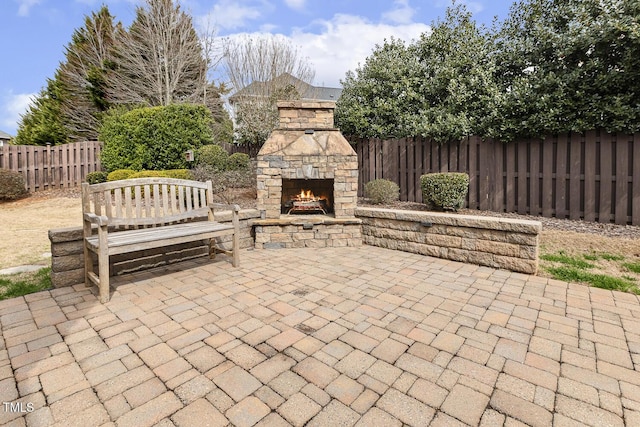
(250, 150)
(593, 176)
(51, 167)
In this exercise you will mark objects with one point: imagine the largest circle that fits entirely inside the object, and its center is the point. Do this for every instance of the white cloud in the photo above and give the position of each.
(13, 106)
(295, 4)
(346, 41)
(401, 14)
(25, 6)
(231, 14)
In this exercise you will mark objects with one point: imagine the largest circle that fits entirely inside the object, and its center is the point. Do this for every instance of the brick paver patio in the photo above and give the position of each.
(322, 337)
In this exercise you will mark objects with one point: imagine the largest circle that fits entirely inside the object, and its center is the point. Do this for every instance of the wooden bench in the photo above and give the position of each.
(139, 214)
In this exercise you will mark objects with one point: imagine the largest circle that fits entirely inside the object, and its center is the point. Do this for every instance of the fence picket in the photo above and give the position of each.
(621, 176)
(635, 183)
(575, 163)
(606, 151)
(590, 176)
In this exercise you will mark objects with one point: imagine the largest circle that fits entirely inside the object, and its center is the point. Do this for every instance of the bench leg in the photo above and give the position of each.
(103, 272)
(236, 250)
(88, 266)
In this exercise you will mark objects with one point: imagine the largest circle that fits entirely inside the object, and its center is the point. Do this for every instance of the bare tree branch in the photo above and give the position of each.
(160, 60)
(261, 71)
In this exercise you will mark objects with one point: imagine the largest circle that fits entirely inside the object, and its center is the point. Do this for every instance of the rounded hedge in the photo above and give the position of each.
(381, 191)
(446, 190)
(213, 156)
(12, 185)
(179, 173)
(96, 177)
(238, 161)
(154, 138)
(119, 174)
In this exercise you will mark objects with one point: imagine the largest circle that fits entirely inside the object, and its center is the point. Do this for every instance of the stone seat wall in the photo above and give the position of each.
(493, 242)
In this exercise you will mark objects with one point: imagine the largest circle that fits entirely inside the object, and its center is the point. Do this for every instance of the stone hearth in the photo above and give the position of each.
(306, 151)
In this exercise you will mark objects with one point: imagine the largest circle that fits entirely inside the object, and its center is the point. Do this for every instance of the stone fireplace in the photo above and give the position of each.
(307, 180)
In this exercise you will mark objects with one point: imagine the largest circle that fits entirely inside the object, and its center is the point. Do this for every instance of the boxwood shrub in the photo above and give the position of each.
(446, 190)
(179, 173)
(96, 177)
(119, 174)
(154, 138)
(213, 156)
(381, 191)
(12, 185)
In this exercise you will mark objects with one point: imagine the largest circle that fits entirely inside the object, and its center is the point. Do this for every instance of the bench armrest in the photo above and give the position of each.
(234, 207)
(100, 220)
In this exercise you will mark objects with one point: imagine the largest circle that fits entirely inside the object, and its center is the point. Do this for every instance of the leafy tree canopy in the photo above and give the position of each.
(439, 86)
(552, 66)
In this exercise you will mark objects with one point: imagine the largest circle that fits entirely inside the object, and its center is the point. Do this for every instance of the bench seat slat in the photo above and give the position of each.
(147, 238)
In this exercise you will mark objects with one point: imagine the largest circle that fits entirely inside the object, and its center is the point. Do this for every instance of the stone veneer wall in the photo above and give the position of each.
(306, 146)
(272, 169)
(67, 262)
(305, 114)
(494, 242)
(307, 232)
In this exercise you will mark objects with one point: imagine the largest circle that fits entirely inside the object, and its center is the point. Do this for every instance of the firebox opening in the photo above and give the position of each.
(307, 196)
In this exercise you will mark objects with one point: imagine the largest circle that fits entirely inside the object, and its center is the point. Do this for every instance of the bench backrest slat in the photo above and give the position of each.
(148, 201)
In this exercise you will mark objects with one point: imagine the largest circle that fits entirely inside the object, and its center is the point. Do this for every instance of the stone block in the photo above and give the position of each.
(498, 248)
(520, 265)
(529, 252)
(73, 247)
(68, 262)
(70, 234)
(443, 240)
(67, 278)
(273, 246)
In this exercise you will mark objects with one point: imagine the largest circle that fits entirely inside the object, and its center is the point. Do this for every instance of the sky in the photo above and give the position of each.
(334, 35)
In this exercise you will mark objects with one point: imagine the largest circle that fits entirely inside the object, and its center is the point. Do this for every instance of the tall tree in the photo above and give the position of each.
(42, 123)
(261, 71)
(441, 86)
(84, 75)
(160, 60)
(382, 97)
(458, 89)
(571, 65)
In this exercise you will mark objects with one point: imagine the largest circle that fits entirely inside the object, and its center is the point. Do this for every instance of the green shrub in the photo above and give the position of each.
(381, 191)
(154, 138)
(179, 173)
(444, 190)
(96, 177)
(149, 174)
(213, 156)
(238, 161)
(119, 174)
(12, 185)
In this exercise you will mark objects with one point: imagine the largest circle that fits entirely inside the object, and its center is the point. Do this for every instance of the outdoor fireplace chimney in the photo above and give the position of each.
(307, 147)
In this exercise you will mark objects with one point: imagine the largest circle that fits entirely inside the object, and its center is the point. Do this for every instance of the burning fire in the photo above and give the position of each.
(307, 196)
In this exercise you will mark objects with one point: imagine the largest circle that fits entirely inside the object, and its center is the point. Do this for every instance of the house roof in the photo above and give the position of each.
(4, 135)
(320, 93)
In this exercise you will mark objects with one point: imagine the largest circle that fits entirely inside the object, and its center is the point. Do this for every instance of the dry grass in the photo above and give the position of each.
(25, 226)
